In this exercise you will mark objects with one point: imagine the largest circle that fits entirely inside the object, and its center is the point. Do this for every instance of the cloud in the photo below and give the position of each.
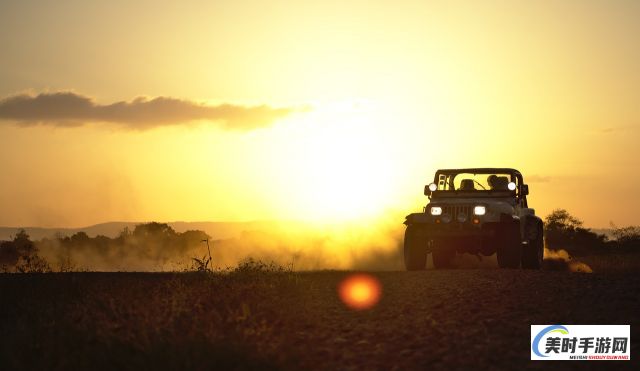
(607, 130)
(71, 109)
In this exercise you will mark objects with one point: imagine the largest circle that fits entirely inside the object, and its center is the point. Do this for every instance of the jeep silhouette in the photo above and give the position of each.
(477, 211)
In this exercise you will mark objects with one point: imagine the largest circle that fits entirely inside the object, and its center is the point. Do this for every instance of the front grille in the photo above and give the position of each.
(454, 210)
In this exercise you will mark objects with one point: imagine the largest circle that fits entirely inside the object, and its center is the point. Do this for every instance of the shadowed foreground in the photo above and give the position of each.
(259, 318)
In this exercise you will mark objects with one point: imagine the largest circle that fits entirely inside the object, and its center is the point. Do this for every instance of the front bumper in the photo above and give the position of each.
(456, 229)
(432, 227)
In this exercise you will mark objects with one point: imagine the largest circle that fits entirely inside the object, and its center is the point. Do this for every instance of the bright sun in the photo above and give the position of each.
(343, 165)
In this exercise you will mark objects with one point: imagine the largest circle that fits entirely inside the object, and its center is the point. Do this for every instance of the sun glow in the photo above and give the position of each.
(342, 166)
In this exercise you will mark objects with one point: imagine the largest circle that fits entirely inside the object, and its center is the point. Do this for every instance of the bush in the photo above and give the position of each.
(564, 231)
(21, 255)
(150, 246)
(627, 238)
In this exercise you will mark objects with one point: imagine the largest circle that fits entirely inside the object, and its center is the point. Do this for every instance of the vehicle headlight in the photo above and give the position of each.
(436, 210)
(479, 210)
(433, 187)
(511, 186)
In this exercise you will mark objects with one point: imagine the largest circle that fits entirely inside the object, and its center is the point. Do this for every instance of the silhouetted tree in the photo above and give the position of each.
(8, 255)
(626, 238)
(21, 255)
(564, 231)
(80, 238)
(154, 229)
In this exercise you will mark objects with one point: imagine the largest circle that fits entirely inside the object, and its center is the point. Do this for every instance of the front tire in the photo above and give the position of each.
(509, 245)
(415, 250)
(533, 252)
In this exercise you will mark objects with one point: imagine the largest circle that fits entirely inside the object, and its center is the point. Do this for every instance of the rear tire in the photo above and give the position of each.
(443, 254)
(533, 252)
(415, 250)
(509, 245)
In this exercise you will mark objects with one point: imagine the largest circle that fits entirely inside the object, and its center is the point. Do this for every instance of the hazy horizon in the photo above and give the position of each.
(265, 221)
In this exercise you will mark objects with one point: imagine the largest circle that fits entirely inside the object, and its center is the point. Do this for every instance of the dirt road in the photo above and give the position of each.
(447, 319)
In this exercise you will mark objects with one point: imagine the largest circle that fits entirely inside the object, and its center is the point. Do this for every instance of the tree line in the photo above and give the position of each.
(565, 231)
(148, 244)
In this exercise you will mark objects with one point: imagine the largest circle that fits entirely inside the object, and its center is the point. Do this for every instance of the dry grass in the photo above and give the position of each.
(627, 262)
(263, 316)
(146, 320)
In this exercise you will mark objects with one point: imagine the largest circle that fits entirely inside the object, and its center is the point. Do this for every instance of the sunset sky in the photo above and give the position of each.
(324, 110)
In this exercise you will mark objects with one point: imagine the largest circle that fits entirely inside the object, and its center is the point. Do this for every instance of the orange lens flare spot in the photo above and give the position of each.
(360, 291)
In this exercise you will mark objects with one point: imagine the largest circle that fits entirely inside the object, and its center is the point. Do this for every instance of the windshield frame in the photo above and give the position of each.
(515, 177)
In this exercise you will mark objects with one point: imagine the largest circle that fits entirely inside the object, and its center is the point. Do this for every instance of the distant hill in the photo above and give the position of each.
(217, 230)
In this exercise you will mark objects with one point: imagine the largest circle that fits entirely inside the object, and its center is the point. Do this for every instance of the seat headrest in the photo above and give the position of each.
(467, 185)
(501, 183)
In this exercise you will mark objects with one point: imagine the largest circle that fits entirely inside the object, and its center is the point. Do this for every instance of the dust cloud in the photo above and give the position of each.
(359, 245)
(362, 245)
(309, 246)
(561, 260)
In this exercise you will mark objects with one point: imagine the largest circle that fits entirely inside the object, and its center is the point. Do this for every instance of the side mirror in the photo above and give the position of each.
(525, 189)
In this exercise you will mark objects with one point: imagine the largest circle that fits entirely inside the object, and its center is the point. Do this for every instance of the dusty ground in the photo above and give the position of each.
(257, 318)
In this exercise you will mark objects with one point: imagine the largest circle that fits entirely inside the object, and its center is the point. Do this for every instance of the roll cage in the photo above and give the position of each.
(519, 193)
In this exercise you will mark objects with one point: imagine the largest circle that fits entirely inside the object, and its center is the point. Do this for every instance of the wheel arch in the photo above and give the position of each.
(416, 219)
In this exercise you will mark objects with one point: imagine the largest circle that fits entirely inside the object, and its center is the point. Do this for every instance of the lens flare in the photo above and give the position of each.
(360, 291)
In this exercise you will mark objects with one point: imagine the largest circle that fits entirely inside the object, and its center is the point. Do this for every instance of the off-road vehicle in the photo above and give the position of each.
(477, 211)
